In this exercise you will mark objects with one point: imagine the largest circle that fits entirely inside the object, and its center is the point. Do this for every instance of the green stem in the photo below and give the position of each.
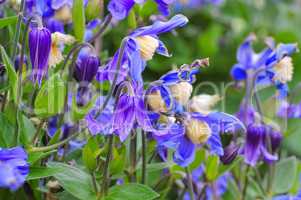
(18, 29)
(133, 156)
(246, 182)
(54, 146)
(94, 182)
(189, 183)
(144, 162)
(106, 171)
(35, 137)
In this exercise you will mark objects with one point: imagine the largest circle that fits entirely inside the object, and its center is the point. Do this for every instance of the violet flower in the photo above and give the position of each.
(258, 139)
(140, 47)
(130, 111)
(13, 168)
(39, 47)
(121, 8)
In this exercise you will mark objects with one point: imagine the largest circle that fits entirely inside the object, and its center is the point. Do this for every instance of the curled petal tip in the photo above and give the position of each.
(201, 63)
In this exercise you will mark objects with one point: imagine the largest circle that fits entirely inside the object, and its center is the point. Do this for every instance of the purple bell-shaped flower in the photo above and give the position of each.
(39, 47)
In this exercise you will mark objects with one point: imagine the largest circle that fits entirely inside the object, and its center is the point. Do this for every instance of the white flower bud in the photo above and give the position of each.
(203, 103)
(181, 92)
(57, 39)
(64, 14)
(197, 131)
(156, 102)
(148, 46)
(284, 70)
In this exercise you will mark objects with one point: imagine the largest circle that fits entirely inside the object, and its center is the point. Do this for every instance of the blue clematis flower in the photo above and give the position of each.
(13, 168)
(190, 129)
(121, 8)
(140, 47)
(272, 66)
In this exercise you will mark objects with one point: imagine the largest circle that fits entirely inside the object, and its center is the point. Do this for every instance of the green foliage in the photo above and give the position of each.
(74, 180)
(131, 192)
(79, 21)
(285, 175)
(12, 76)
(8, 21)
(90, 154)
(51, 97)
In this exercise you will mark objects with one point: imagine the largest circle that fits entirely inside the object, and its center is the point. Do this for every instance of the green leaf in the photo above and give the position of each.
(8, 21)
(26, 131)
(131, 192)
(42, 172)
(90, 154)
(51, 97)
(211, 170)
(7, 132)
(285, 174)
(74, 180)
(78, 17)
(12, 75)
(36, 156)
(56, 137)
(132, 20)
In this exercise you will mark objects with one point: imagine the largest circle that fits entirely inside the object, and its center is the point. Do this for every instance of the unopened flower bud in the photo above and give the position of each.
(230, 153)
(181, 92)
(203, 103)
(39, 49)
(197, 131)
(276, 138)
(284, 70)
(148, 46)
(156, 102)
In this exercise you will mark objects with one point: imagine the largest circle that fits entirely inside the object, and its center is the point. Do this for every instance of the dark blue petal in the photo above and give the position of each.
(238, 72)
(185, 153)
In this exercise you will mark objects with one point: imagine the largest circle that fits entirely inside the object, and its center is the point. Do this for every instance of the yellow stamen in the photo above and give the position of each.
(148, 46)
(198, 131)
(284, 70)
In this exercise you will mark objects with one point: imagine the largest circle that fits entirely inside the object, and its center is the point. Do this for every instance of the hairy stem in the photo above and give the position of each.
(106, 172)
(133, 156)
(144, 162)
(189, 183)
(54, 146)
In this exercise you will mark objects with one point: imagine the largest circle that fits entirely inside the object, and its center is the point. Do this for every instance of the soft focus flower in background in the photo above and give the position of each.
(13, 168)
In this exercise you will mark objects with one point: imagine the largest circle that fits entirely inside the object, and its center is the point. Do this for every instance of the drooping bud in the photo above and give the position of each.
(148, 46)
(64, 14)
(203, 103)
(230, 153)
(86, 68)
(181, 92)
(276, 138)
(39, 47)
(156, 102)
(284, 70)
(197, 131)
